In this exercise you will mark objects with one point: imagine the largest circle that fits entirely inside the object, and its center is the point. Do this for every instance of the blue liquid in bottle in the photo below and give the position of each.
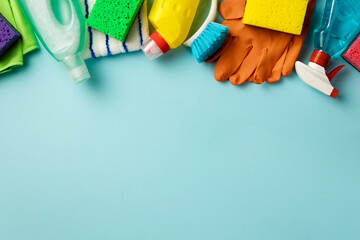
(340, 23)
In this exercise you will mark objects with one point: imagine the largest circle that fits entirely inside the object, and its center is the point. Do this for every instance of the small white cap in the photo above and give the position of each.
(151, 49)
(155, 46)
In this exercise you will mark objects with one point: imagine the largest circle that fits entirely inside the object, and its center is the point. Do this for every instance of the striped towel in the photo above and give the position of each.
(97, 44)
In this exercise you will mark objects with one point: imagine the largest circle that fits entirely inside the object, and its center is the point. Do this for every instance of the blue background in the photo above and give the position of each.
(160, 150)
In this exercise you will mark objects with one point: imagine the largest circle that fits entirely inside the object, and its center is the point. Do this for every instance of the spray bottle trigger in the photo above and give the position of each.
(333, 73)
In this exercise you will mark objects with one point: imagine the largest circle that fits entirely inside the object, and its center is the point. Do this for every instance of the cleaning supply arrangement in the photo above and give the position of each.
(341, 21)
(257, 54)
(258, 41)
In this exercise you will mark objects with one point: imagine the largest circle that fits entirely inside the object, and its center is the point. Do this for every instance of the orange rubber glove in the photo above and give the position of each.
(252, 53)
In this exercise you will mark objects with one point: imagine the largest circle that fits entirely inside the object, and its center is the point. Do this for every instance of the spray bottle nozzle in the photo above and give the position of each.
(315, 75)
(320, 58)
(333, 73)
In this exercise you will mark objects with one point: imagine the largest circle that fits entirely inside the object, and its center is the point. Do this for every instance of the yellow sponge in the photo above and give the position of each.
(280, 15)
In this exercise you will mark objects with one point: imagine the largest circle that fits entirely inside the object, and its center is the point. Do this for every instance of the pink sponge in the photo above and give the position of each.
(352, 53)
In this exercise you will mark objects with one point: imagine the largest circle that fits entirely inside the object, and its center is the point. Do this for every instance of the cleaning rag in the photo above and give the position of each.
(97, 44)
(13, 57)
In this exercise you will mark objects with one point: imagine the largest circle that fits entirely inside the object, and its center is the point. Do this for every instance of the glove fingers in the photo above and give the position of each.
(232, 9)
(221, 50)
(276, 72)
(270, 56)
(292, 55)
(263, 70)
(251, 78)
(230, 61)
(269, 61)
(246, 69)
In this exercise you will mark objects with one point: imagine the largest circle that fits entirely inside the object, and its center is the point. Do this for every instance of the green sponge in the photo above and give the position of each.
(114, 17)
(281, 15)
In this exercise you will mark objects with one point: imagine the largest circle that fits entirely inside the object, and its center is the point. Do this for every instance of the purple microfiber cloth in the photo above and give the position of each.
(8, 35)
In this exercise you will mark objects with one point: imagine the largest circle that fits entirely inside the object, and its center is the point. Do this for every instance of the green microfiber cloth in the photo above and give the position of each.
(114, 17)
(13, 57)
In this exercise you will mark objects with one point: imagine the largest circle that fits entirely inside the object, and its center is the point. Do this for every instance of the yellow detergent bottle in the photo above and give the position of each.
(172, 20)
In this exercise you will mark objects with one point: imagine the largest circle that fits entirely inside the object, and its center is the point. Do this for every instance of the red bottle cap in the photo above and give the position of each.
(160, 41)
(320, 58)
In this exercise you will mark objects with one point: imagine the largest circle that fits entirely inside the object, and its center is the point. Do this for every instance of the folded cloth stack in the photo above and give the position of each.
(97, 44)
(13, 57)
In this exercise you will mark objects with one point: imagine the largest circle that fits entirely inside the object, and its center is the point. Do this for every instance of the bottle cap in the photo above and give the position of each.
(320, 58)
(76, 68)
(155, 46)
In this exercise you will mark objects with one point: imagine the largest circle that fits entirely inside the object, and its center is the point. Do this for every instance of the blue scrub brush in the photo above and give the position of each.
(209, 38)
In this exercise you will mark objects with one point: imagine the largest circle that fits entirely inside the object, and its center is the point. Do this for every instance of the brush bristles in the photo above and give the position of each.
(209, 41)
